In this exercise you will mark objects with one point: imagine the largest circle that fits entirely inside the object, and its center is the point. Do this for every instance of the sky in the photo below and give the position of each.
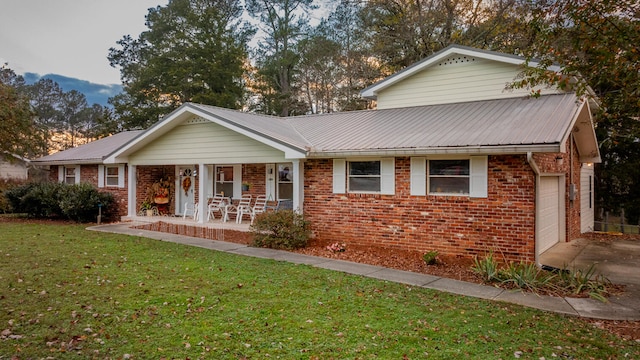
(68, 37)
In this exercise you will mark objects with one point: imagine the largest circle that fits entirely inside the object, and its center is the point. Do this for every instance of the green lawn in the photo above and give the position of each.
(70, 293)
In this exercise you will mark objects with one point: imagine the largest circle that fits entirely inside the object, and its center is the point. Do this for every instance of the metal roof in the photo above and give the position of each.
(275, 128)
(514, 122)
(502, 126)
(90, 153)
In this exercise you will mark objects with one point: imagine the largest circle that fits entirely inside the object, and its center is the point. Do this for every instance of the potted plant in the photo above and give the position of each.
(246, 186)
(147, 207)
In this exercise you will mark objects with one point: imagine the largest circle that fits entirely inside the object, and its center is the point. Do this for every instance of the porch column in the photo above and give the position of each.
(132, 184)
(298, 185)
(203, 180)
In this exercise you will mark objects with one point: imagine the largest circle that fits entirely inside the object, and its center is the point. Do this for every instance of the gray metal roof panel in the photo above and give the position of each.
(94, 151)
(515, 121)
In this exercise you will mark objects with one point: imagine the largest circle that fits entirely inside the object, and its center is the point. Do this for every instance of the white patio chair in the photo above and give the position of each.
(259, 207)
(190, 208)
(243, 207)
(217, 204)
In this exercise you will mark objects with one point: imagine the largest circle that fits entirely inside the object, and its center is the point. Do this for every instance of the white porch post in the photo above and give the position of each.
(203, 180)
(298, 185)
(132, 183)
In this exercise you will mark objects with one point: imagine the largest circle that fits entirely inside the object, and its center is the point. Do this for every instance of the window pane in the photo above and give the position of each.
(364, 168)
(284, 173)
(449, 167)
(364, 184)
(70, 171)
(226, 188)
(449, 185)
(112, 181)
(285, 191)
(112, 171)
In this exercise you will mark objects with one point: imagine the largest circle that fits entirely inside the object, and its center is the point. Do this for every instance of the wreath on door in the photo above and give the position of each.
(186, 185)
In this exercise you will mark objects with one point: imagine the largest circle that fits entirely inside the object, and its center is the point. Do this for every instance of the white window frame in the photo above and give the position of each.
(478, 176)
(341, 176)
(62, 174)
(103, 175)
(448, 176)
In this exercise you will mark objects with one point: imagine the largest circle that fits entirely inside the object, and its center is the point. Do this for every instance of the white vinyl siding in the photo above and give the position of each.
(466, 80)
(205, 142)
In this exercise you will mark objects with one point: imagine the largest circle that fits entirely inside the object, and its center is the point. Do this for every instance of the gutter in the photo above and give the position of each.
(536, 170)
(463, 150)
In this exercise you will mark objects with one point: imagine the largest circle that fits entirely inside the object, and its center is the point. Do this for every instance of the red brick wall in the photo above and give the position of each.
(147, 175)
(503, 223)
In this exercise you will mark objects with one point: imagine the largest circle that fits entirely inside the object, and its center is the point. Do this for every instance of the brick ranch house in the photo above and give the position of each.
(449, 161)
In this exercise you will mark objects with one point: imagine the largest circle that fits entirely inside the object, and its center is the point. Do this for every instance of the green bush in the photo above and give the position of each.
(6, 187)
(283, 229)
(48, 199)
(430, 258)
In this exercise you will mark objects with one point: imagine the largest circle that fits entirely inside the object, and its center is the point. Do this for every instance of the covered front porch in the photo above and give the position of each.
(174, 191)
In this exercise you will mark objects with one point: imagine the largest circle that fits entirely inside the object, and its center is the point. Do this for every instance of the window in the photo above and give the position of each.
(224, 180)
(448, 177)
(112, 176)
(70, 175)
(285, 181)
(364, 176)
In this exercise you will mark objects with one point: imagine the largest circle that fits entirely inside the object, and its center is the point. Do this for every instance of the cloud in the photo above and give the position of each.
(95, 93)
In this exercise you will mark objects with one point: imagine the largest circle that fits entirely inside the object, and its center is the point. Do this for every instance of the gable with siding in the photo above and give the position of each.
(197, 140)
(453, 75)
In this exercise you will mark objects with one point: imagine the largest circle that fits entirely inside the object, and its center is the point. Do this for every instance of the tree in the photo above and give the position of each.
(194, 51)
(46, 100)
(284, 23)
(17, 129)
(597, 45)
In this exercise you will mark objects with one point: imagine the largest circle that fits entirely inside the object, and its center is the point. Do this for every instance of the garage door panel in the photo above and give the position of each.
(549, 213)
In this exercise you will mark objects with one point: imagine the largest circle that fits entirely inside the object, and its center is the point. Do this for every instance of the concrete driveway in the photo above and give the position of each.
(615, 257)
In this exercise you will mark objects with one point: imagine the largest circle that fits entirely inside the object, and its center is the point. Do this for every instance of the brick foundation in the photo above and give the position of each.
(234, 236)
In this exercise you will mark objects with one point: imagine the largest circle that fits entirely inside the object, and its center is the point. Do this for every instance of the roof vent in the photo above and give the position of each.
(456, 60)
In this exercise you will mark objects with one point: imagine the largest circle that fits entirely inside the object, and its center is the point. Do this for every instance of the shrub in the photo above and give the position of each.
(525, 276)
(282, 229)
(6, 190)
(430, 258)
(80, 202)
(48, 199)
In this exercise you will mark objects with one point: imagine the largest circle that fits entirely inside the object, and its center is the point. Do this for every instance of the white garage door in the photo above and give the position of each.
(549, 213)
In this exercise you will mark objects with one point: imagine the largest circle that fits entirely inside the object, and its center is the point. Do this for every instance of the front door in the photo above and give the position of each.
(185, 190)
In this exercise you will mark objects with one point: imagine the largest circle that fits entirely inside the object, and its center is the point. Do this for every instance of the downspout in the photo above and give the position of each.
(536, 170)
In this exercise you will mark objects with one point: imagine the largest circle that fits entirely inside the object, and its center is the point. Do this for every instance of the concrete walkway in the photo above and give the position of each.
(625, 308)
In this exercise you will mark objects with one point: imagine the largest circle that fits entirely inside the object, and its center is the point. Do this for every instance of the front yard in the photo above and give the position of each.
(68, 293)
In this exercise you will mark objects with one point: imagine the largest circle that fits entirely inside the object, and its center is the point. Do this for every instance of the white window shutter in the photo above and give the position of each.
(478, 184)
(387, 176)
(121, 175)
(339, 176)
(60, 173)
(77, 174)
(418, 176)
(100, 176)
